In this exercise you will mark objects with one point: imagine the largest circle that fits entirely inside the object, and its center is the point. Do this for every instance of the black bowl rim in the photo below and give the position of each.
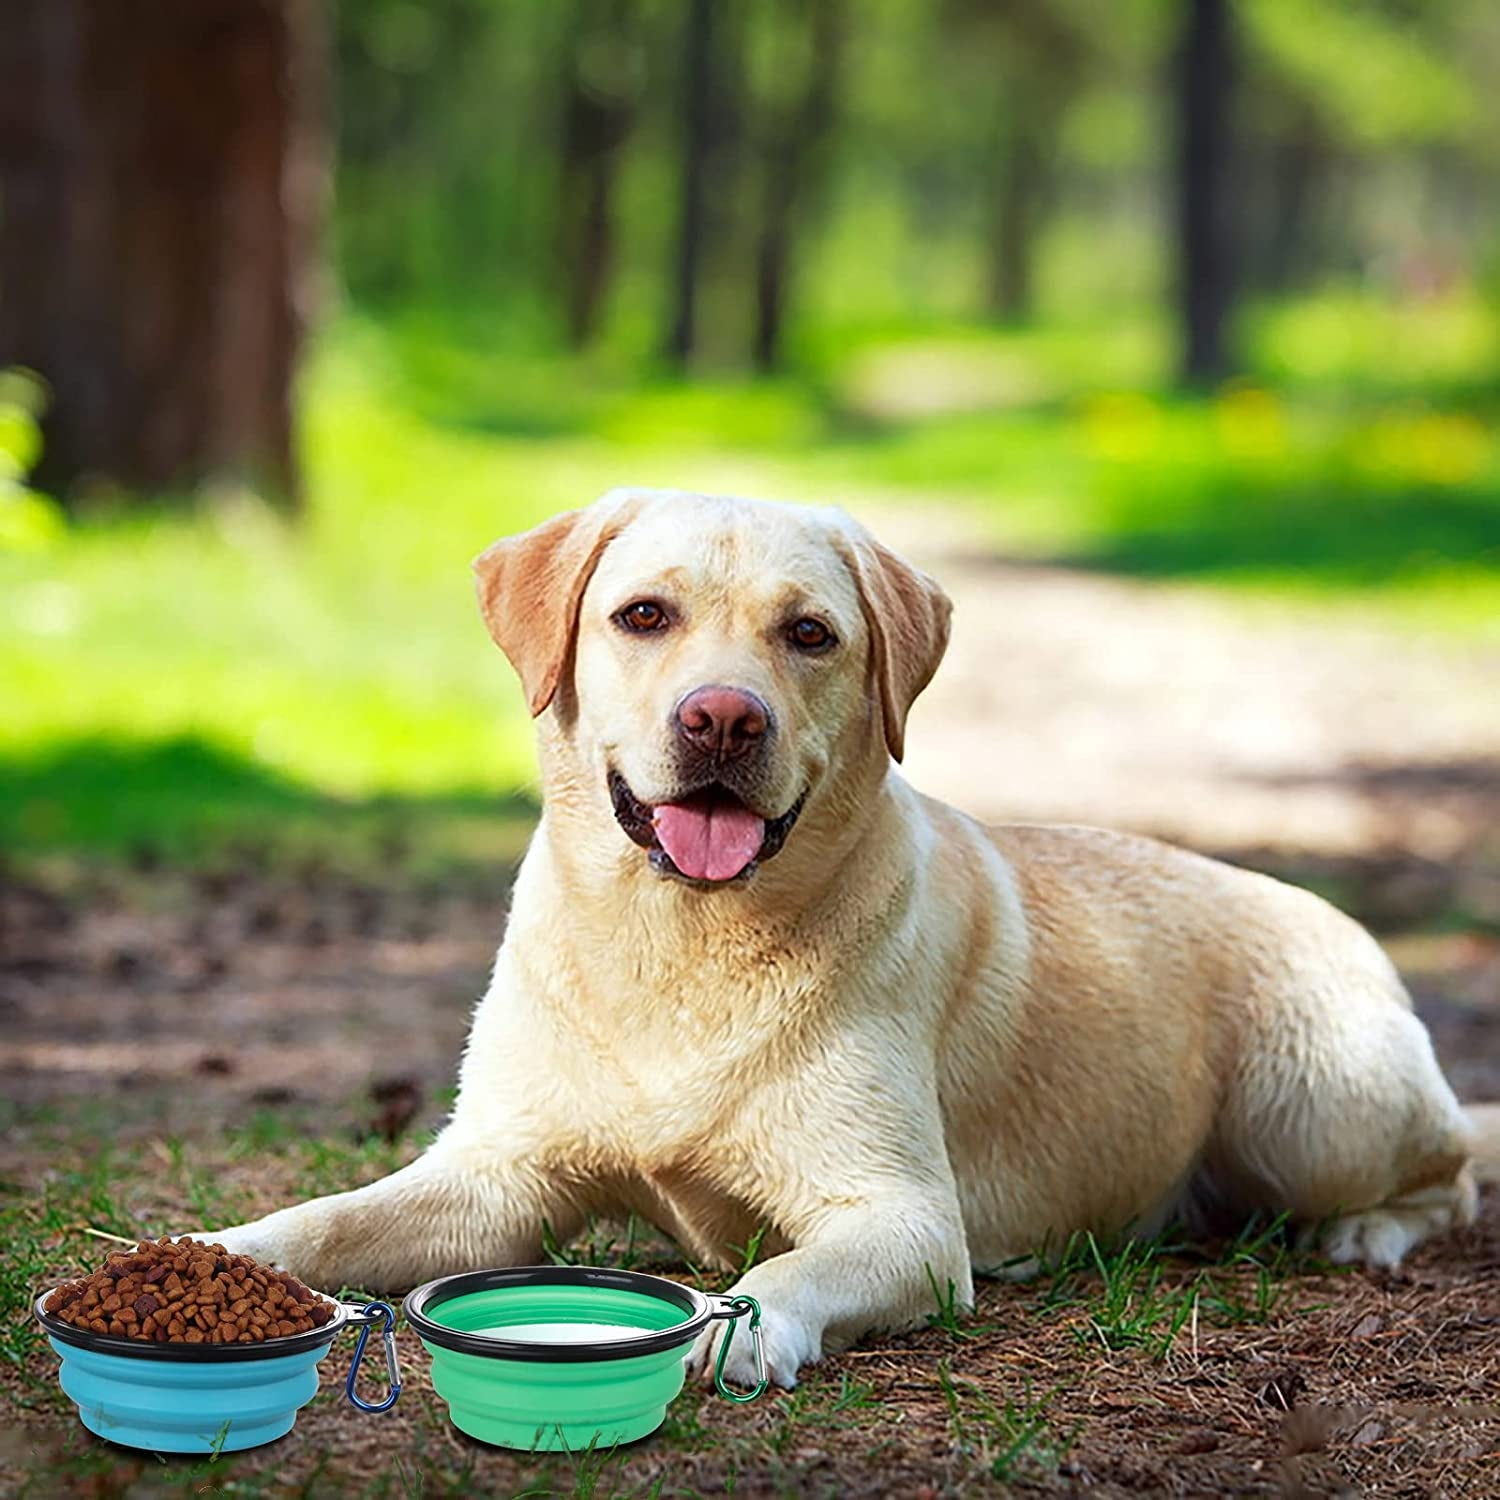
(699, 1308)
(204, 1354)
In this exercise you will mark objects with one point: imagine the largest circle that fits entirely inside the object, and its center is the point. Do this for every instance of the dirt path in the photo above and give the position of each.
(1082, 697)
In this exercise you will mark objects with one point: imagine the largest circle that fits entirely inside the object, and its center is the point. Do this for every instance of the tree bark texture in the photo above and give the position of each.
(161, 180)
(1020, 183)
(796, 145)
(599, 108)
(696, 125)
(1205, 75)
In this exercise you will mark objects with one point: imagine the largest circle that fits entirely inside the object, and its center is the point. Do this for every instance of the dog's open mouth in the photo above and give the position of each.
(709, 835)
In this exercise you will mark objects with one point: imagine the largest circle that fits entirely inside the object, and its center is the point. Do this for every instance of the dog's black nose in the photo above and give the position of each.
(722, 721)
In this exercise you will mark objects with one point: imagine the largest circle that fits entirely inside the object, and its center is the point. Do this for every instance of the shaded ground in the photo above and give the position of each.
(186, 1047)
(241, 991)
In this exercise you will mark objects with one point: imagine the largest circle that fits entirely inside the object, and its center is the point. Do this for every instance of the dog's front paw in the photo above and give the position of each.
(789, 1344)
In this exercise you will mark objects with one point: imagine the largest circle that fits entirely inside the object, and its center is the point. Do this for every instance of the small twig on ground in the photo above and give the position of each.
(104, 1234)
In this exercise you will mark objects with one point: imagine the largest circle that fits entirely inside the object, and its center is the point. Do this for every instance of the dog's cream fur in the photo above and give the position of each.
(911, 1046)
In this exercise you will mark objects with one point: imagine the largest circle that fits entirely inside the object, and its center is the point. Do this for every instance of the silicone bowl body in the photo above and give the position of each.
(188, 1398)
(610, 1385)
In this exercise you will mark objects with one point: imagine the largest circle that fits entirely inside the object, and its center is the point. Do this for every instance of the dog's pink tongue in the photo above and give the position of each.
(709, 842)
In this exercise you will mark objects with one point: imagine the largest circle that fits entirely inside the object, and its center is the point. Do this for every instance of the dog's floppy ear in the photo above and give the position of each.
(531, 586)
(908, 615)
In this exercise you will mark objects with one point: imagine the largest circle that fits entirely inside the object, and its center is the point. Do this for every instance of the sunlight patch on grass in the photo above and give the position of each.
(1352, 339)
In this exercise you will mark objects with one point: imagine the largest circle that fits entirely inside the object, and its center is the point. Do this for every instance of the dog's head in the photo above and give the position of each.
(714, 670)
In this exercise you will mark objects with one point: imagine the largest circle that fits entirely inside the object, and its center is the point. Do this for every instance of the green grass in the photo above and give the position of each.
(842, 1405)
(1124, 1292)
(174, 684)
(822, 1405)
(951, 1316)
(749, 1252)
(1132, 1308)
(601, 1242)
(44, 1238)
(1005, 1436)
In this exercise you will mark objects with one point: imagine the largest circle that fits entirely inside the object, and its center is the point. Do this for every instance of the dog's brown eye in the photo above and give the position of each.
(642, 616)
(810, 635)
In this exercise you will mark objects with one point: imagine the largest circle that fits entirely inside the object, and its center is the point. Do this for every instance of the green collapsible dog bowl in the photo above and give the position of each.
(566, 1357)
(205, 1398)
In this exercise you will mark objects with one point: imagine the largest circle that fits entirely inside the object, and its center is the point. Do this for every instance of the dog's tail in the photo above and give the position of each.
(1484, 1121)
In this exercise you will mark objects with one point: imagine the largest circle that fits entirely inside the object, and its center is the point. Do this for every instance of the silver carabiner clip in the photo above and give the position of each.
(733, 1309)
(367, 1315)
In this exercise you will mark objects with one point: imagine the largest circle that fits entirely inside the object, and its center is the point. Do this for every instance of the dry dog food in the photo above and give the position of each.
(188, 1292)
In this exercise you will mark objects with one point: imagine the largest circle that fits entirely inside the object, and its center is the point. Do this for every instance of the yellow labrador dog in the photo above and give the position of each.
(752, 977)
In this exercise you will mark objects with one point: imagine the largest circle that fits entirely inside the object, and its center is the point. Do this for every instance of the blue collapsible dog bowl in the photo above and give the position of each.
(206, 1398)
(567, 1357)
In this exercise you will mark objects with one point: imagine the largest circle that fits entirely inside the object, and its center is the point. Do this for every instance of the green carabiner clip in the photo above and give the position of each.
(735, 1309)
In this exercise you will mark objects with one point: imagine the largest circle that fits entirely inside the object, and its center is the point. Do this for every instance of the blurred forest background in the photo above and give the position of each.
(1165, 332)
(302, 303)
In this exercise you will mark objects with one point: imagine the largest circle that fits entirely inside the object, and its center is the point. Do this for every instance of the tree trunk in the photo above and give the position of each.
(796, 145)
(1204, 80)
(598, 115)
(1018, 189)
(161, 175)
(1295, 165)
(697, 129)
